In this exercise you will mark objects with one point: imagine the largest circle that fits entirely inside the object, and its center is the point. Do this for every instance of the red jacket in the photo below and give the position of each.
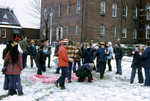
(63, 57)
(16, 68)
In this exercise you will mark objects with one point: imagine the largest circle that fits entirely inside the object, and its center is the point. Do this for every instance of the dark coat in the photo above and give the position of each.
(84, 67)
(136, 63)
(101, 55)
(32, 50)
(5, 51)
(146, 58)
(119, 53)
(88, 55)
(41, 57)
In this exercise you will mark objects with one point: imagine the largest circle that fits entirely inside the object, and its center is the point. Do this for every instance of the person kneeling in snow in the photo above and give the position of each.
(85, 71)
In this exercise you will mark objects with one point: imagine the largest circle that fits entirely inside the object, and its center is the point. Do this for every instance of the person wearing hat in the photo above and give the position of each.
(17, 40)
(32, 53)
(102, 54)
(110, 49)
(48, 52)
(63, 64)
(85, 71)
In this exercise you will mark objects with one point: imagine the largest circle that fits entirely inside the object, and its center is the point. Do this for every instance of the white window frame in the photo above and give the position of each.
(102, 30)
(148, 13)
(124, 30)
(147, 28)
(68, 30)
(4, 33)
(134, 34)
(102, 7)
(114, 28)
(135, 12)
(77, 29)
(44, 32)
(68, 8)
(114, 7)
(78, 7)
(125, 9)
(59, 10)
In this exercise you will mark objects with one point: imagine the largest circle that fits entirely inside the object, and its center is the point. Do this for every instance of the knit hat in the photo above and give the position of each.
(32, 41)
(91, 65)
(110, 43)
(14, 44)
(9, 42)
(102, 43)
(65, 41)
(46, 39)
(16, 39)
(92, 40)
(60, 42)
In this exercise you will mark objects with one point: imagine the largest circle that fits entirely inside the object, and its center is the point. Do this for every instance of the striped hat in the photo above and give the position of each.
(65, 41)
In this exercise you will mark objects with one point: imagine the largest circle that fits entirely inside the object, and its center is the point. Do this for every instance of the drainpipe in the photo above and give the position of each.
(121, 20)
(138, 36)
(82, 27)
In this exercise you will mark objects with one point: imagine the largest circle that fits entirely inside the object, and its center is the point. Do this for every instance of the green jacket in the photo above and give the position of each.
(5, 51)
(23, 46)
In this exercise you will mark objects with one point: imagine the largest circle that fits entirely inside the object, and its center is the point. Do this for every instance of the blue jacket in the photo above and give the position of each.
(101, 55)
(146, 58)
(110, 49)
(84, 67)
(32, 50)
(88, 55)
(119, 53)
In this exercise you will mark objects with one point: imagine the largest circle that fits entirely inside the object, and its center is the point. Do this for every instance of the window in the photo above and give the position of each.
(113, 31)
(148, 13)
(52, 9)
(134, 34)
(78, 6)
(68, 8)
(102, 30)
(44, 32)
(124, 33)
(102, 7)
(45, 13)
(68, 30)
(77, 29)
(59, 10)
(114, 10)
(135, 13)
(125, 11)
(148, 32)
(3, 33)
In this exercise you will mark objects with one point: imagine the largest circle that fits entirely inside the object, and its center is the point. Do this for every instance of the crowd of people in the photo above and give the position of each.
(70, 58)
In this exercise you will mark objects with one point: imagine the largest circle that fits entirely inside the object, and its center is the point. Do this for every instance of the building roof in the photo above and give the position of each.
(7, 17)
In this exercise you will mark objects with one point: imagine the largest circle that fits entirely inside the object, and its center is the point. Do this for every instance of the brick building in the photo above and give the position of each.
(98, 20)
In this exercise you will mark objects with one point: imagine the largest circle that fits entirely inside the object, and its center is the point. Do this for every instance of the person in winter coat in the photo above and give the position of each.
(85, 71)
(136, 64)
(32, 53)
(78, 54)
(98, 65)
(17, 40)
(23, 44)
(146, 63)
(102, 54)
(48, 52)
(14, 69)
(118, 56)
(71, 54)
(41, 60)
(110, 49)
(63, 64)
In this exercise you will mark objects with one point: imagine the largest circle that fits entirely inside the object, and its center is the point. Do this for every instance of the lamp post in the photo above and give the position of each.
(51, 18)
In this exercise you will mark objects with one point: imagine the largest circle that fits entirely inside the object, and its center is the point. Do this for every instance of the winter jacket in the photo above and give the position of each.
(41, 57)
(71, 51)
(16, 68)
(48, 48)
(119, 53)
(136, 60)
(100, 53)
(84, 67)
(57, 50)
(32, 50)
(88, 55)
(146, 58)
(24, 46)
(110, 49)
(63, 57)
(78, 54)
(5, 51)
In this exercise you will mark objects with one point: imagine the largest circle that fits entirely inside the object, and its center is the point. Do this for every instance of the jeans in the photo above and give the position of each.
(40, 69)
(69, 70)
(64, 74)
(12, 79)
(119, 68)
(24, 56)
(57, 70)
(98, 67)
(109, 65)
(147, 77)
(74, 67)
(83, 74)
(49, 59)
(102, 69)
(33, 58)
(140, 75)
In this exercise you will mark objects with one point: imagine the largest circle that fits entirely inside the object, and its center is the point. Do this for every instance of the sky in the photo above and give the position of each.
(20, 10)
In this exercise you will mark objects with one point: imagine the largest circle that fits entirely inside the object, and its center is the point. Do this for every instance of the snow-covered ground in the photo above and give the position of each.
(112, 88)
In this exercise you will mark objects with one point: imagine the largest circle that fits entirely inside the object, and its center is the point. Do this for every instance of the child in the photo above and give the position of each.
(41, 60)
(32, 53)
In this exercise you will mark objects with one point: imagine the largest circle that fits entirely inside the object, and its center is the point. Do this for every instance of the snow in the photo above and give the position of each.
(112, 88)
